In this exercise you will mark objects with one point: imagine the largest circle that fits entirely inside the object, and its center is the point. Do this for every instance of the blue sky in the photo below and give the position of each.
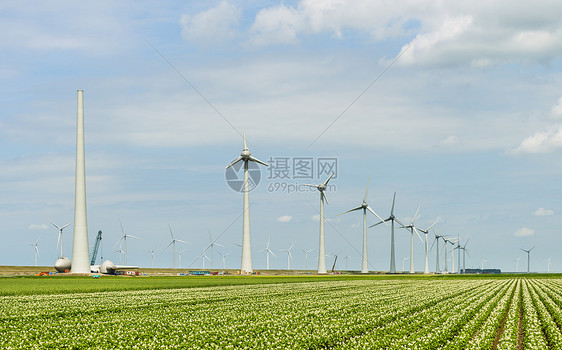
(466, 123)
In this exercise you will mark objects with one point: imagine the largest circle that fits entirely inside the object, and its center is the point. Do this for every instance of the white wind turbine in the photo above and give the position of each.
(120, 251)
(124, 240)
(464, 251)
(548, 262)
(224, 259)
(267, 252)
(403, 261)
(364, 206)
(289, 255)
(246, 157)
(306, 252)
(482, 261)
(517, 264)
(36, 249)
(413, 229)
(392, 219)
(59, 241)
(173, 244)
(203, 256)
(528, 258)
(322, 246)
(212, 245)
(436, 240)
(151, 252)
(179, 255)
(426, 232)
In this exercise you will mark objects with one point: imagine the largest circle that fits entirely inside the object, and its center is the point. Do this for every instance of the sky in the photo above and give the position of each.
(455, 106)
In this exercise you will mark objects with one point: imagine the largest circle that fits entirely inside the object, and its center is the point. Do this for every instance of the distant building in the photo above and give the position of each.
(482, 272)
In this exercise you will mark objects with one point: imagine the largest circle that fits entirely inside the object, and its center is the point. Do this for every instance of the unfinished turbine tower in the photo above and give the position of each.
(322, 245)
(80, 254)
(246, 157)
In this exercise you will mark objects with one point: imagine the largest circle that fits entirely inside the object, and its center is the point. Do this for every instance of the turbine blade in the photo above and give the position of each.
(415, 216)
(66, 225)
(218, 245)
(436, 221)
(398, 221)
(378, 223)
(234, 162)
(393, 200)
(350, 210)
(54, 224)
(179, 240)
(244, 138)
(367, 190)
(272, 253)
(377, 215)
(254, 159)
(417, 233)
(323, 197)
(326, 183)
(133, 236)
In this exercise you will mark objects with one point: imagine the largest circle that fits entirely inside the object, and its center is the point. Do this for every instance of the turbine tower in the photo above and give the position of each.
(246, 157)
(173, 244)
(517, 264)
(426, 232)
(36, 249)
(364, 206)
(528, 258)
(412, 230)
(289, 255)
(124, 240)
(322, 244)
(436, 240)
(306, 252)
(392, 219)
(212, 245)
(60, 235)
(80, 254)
(267, 252)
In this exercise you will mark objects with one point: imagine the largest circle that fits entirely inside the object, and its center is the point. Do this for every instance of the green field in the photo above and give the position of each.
(319, 312)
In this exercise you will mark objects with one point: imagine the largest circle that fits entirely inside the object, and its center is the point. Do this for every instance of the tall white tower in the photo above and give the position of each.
(80, 255)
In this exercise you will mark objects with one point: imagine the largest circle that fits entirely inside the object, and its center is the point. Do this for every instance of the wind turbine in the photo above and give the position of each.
(60, 228)
(392, 219)
(211, 245)
(517, 264)
(289, 255)
(426, 232)
(151, 252)
(364, 206)
(224, 259)
(267, 252)
(306, 256)
(173, 244)
(203, 256)
(322, 247)
(120, 251)
(246, 157)
(482, 261)
(36, 249)
(548, 262)
(179, 254)
(412, 230)
(124, 239)
(403, 260)
(528, 258)
(436, 240)
(464, 251)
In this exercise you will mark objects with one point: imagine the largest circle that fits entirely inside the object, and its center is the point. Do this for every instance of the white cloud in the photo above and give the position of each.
(541, 142)
(524, 232)
(285, 218)
(38, 227)
(557, 110)
(543, 212)
(450, 141)
(315, 218)
(214, 25)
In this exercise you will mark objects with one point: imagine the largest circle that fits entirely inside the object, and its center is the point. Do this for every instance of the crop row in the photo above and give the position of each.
(408, 314)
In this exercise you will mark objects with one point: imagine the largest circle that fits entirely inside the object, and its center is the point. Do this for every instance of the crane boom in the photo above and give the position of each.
(96, 248)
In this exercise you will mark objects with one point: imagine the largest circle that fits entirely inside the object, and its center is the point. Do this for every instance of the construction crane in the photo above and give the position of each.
(96, 248)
